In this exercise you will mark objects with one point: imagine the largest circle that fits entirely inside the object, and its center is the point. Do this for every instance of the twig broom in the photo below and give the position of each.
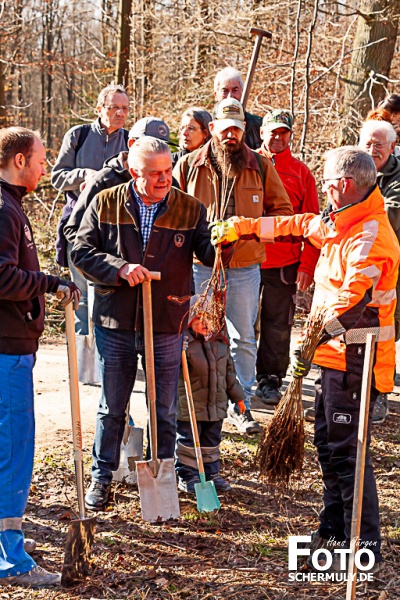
(281, 449)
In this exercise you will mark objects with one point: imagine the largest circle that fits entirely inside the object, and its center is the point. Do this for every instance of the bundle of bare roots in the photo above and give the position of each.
(211, 303)
(281, 449)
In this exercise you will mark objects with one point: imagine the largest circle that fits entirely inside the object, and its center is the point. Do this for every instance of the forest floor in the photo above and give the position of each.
(239, 552)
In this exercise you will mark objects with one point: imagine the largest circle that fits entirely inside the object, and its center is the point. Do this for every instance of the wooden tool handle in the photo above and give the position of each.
(155, 275)
(75, 405)
(192, 413)
(150, 375)
(260, 34)
(360, 462)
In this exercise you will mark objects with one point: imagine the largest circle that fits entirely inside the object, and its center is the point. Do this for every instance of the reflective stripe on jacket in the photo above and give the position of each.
(299, 184)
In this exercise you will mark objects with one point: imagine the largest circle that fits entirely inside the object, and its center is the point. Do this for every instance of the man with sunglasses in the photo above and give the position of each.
(355, 283)
(378, 138)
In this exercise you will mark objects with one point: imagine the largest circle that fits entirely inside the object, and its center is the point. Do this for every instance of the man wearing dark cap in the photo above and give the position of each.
(290, 261)
(227, 172)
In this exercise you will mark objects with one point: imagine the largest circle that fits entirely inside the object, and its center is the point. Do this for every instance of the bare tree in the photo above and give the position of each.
(123, 46)
(374, 45)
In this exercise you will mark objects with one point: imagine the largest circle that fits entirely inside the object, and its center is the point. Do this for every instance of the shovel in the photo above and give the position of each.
(206, 494)
(81, 531)
(131, 452)
(88, 370)
(156, 477)
(362, 442)
(88, 364)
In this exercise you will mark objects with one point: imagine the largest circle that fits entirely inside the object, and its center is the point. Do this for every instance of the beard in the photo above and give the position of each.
(231, 159)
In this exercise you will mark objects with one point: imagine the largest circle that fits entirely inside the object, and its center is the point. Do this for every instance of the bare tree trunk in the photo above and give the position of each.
(123, 46)
(307, 80)
(3, 110)
(374, 45)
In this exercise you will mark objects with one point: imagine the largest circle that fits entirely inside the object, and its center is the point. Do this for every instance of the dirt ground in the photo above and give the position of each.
(239, 552)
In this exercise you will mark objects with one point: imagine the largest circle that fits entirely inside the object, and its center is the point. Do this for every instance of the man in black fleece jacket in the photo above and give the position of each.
(22, 289)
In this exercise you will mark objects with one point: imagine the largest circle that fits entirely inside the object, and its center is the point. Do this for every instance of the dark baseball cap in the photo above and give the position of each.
(150, 126)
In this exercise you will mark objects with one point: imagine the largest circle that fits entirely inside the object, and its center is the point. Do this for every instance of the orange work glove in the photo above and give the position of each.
(241, 406)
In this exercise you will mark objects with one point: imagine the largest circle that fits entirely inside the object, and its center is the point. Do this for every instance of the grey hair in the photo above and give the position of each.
(113, 88)
(143, 147)
(351, 161)
(372, 126)
(201, 116)
(227, 74)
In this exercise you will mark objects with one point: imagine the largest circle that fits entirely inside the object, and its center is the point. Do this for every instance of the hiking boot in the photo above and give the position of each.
(270, 393)
(29, 545)
(187, 485)
(318, 542)
(309, 414)
(36, 578)
(244, 423)
(97, 495)
(337, 562)
(220, 484)
(380, 410)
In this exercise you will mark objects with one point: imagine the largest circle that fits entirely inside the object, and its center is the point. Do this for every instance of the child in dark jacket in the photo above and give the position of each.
(213, 382)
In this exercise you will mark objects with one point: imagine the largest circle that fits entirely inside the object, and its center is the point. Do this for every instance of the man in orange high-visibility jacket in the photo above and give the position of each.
(356, 282)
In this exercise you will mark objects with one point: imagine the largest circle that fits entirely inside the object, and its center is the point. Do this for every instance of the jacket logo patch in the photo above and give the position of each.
(28, 234)
(256, 198)
(179, 240)
(179, 299)
(342, 418)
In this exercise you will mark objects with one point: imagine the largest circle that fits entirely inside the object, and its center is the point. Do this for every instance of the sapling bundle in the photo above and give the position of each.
(281, 449)
(211, 303)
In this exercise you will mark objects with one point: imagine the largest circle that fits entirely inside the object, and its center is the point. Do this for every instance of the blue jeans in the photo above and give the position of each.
(118, 353)
(243, 293)
(17, 437)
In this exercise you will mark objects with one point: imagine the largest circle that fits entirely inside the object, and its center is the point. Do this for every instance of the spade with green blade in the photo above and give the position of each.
(206, 494)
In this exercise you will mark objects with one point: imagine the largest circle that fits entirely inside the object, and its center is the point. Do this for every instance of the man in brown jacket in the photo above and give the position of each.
(225, 175)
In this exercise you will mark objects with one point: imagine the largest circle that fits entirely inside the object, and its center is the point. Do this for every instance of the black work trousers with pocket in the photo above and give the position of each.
(337, 404)
(278, 290)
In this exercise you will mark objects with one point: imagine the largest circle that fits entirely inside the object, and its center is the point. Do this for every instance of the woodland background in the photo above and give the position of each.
(328, 61)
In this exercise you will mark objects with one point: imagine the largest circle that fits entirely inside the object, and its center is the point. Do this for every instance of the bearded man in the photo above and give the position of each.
(228, 174)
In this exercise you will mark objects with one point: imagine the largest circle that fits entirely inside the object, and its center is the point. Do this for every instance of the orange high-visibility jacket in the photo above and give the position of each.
(355, 280)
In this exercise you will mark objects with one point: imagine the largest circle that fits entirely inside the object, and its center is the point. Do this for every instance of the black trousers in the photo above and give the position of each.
(278, 289)
(337, 403)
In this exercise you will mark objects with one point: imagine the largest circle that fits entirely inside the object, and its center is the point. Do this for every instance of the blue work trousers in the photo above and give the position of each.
(17, 437)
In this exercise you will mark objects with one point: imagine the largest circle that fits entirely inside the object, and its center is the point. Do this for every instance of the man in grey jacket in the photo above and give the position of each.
(378, 138)
(84, 150)
(114, 172)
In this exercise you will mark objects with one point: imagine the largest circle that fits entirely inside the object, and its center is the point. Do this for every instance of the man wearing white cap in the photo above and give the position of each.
(227, 172)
